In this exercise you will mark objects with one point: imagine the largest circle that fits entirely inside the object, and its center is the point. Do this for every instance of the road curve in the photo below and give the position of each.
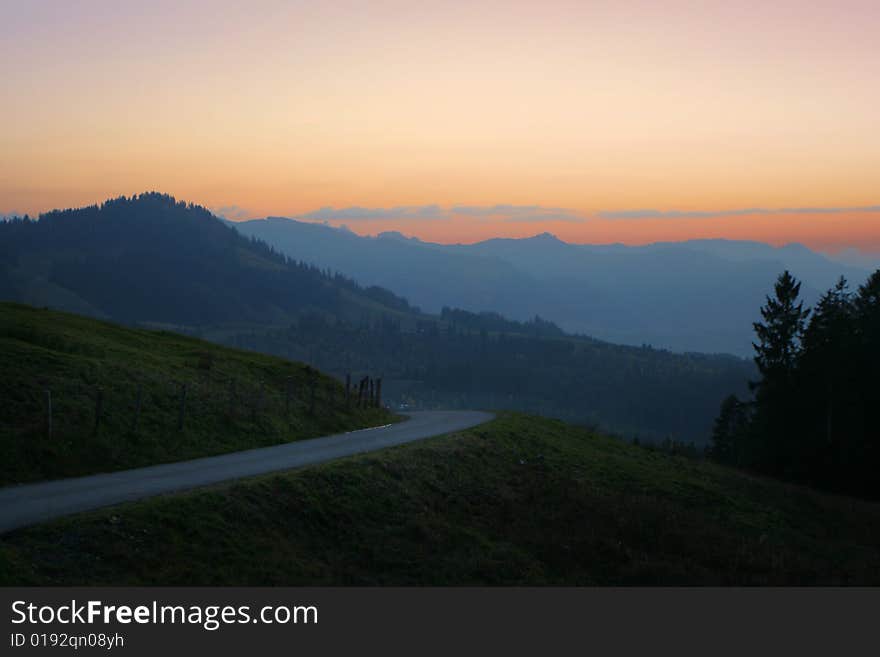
(30, 504)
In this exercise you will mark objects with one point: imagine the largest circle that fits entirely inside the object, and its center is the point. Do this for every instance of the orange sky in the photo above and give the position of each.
(824, 231)
(283, 108)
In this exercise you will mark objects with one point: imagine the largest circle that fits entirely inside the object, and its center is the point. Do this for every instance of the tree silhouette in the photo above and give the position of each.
(816, 413)
(730, 433)
(780, 333)
(776, 353)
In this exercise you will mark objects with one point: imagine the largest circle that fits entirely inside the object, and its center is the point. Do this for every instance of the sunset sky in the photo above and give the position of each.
(611, 121)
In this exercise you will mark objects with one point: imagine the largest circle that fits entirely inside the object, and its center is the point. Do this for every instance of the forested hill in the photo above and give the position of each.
(697, 295)
(633, 391)
(153, 259)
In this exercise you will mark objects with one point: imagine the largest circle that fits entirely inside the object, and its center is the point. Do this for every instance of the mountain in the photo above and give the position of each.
(413, 269)
(151, 259)
(700, 295)
(859, 259)
(816, 270)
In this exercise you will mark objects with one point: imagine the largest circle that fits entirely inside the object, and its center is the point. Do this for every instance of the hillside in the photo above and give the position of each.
(150, 259)
(465, 360)
(519, 501)
(417, 270)
(158, 397)
(698, 295)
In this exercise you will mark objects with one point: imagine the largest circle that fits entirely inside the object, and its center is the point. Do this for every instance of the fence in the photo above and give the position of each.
(137, 401)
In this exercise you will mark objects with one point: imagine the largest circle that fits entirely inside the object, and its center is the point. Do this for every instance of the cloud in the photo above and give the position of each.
(357, 212)
(494, 210)
(517, 213)
(508, 213)
(231, 212)
(708, 214)
(500, 212)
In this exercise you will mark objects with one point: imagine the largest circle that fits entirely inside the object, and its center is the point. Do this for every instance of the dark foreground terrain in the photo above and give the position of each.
(124, 398)
(521, 500)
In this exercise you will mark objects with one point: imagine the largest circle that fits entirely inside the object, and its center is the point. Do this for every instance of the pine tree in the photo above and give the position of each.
(780, 334)
(868, 300)
(776, 354)
(824, 381)
(816, 413)
(831, 320)
(867, 337)
(730, 433)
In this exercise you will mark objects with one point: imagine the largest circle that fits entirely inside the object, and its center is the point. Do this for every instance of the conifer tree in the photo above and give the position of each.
(730, 433)
(867, 336)
(776, 353)
(780, 333)
(824, 383)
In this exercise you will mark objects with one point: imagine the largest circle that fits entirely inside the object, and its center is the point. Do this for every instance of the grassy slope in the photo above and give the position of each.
(521, 500)
(73, 356)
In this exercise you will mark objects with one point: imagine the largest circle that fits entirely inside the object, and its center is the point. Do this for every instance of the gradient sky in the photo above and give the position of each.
(529, 116)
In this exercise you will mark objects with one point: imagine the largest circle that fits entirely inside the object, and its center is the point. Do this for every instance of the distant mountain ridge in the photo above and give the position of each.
(151, 260)
(700, 295)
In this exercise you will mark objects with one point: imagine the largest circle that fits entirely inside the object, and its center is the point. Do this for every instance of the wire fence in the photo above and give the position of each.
(145, 402)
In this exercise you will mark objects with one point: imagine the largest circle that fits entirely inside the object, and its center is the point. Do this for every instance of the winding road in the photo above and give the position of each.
(30, 504)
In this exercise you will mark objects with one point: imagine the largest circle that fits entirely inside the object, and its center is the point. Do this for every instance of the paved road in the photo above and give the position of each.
(29, 504)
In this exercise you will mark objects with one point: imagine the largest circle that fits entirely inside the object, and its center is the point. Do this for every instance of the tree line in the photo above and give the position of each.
(467, 360)
(814, 412)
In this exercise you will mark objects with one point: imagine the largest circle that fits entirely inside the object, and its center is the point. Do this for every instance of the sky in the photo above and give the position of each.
(610, 121)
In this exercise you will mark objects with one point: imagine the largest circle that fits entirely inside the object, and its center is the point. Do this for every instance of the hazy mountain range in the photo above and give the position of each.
(151, 260)
(700, 295)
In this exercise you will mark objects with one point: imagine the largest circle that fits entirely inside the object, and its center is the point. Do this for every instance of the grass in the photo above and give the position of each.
(234, 399)
(519, 501)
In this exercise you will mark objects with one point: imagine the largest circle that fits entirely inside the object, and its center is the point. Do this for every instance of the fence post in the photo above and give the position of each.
(182, 412)
(372, 393)
(99, 408)
(255, 402)
(379, 392)
(313, 383)
(232, 396)
(49, 412)
(137, 407)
